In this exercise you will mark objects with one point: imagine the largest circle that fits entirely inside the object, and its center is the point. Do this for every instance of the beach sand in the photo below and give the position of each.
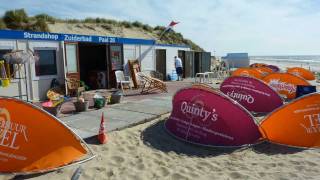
(147, 152)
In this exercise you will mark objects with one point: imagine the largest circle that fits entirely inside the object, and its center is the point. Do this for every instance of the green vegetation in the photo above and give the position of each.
(19, 19)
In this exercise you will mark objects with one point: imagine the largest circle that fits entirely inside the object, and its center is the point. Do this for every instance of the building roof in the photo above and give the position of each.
(46, 36)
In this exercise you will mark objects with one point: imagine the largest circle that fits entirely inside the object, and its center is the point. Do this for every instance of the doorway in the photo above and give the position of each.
(93, 63)
(181, 55)
(161, 62)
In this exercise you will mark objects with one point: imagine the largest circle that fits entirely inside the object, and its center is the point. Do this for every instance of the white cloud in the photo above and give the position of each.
(258, 27)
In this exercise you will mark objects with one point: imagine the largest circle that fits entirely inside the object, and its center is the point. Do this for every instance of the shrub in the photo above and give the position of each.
(147, 28)
(89, 20)
(111, 22)
(106, 27)
(73, 21)
(45, 17)
(16, 19)
(2, 24)
(39, 25)
(159, 28)
(126, 24)
(137, 24)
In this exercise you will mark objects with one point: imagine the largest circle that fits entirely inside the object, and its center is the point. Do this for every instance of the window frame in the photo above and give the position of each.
(44, 77)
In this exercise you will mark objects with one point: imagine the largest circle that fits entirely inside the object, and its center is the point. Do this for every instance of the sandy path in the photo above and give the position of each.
(147, 152)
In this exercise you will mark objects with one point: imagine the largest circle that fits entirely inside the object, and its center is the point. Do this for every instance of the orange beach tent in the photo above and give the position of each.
(295, 124)
(251, 72)
(31, 140)
(304, 73)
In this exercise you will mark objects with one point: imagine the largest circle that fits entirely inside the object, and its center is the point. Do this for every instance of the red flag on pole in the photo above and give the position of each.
(171, 25)
(168, 28)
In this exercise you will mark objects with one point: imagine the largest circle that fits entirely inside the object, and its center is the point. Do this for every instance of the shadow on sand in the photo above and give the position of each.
(273, 149)
(157, 137)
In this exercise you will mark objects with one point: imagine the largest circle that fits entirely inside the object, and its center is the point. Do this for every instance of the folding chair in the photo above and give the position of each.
(151, 84)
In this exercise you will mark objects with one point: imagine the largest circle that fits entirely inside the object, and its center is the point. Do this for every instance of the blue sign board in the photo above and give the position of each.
(11, 34)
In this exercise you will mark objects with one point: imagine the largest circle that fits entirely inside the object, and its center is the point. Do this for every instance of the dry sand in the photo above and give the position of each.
(100, 29)
(147, 151)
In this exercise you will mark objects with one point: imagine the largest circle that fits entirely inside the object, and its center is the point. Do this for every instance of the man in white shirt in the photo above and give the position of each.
(178, 66)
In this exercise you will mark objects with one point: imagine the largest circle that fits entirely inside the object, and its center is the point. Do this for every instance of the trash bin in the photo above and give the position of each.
(116, 97)
(99, 101)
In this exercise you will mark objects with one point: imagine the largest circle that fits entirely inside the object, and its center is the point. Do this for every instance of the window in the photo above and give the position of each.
(11, 66)
(47, 64)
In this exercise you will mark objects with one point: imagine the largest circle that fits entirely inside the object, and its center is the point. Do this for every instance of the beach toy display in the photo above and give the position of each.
(285, 83)
(5, 81)
(38, 142)
(252, 93)
(301, 72)
(206, 117)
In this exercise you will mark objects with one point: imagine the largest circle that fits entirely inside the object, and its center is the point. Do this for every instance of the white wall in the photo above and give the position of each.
(171, 52)
(130, 52)
(16, 87)
(41, 84)
(145, 54)
(147, 58)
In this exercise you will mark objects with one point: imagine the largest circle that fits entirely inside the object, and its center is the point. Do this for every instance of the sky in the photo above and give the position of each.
(258, 27)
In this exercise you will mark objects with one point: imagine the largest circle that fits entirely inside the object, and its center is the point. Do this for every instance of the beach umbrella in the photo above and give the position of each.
(251, 72)
(302, 72)
(285, 83)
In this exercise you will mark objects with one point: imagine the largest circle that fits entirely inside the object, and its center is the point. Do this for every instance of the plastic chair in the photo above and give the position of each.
(122, 79)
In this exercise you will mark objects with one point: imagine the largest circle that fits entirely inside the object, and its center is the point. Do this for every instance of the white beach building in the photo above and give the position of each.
(92, 59)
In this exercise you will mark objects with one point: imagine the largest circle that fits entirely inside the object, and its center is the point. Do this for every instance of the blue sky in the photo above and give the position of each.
(259, 27)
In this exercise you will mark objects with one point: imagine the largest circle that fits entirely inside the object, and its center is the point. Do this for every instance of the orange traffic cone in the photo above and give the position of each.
(102, 137)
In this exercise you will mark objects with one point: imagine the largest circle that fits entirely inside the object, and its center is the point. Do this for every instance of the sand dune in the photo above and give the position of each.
(147, 152)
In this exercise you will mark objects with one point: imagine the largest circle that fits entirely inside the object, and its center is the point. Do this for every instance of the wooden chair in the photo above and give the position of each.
(151, 84)
(74, 87)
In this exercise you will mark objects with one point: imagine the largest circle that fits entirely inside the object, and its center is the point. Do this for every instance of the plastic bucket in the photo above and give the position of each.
(174, 76)
(99, 102)
(115, 98)
(5, 82)
(81, 106)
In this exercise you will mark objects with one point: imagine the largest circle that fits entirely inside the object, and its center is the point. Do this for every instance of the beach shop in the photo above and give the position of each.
(92, 59)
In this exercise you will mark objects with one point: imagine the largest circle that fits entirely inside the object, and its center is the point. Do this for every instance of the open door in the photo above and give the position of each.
(161, 62)
(181, 55)
(189, 64)
(72, 60)
(116, 59)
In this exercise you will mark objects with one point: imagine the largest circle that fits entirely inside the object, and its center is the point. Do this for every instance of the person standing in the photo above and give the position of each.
(178, 66)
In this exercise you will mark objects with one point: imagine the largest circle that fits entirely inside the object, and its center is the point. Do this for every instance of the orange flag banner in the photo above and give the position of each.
(304, 73)
(31, 140)
(249, 72)
(285, 83)
(295, 124)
